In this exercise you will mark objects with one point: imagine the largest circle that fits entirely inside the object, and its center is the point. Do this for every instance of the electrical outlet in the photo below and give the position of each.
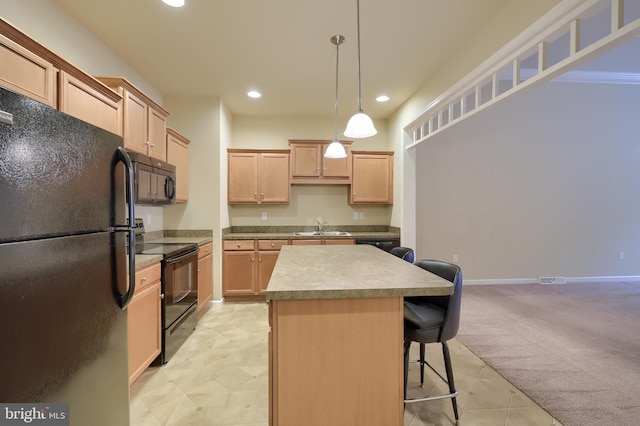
(361, 215)
(355, 215)
(264, 215)
(621, 255)
(455, 258)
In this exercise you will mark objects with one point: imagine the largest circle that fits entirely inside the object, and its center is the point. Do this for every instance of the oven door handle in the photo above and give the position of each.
(183, 256)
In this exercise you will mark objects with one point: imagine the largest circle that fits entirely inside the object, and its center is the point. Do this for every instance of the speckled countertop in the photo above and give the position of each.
(352, 271)
(288, 232)
(144, 260)
(175, 240)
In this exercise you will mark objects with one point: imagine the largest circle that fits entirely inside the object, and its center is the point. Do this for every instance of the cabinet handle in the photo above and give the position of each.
(143, 279)
(255, 195)
(238, 245)
(252, 259)
(198, 270)
(273, 244)
(206, 250)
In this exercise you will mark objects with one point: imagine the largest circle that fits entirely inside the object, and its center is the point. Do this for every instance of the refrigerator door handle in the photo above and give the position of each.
(126, 298)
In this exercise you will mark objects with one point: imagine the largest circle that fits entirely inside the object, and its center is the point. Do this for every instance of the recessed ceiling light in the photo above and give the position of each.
(382, 98)
(174, 3)
(254, 94)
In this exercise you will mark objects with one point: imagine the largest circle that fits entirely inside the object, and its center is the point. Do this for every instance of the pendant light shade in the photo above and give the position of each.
(335, 148)
(360, 125)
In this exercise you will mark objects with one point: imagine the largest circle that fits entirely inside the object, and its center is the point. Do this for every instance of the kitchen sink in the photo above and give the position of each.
(322, 234)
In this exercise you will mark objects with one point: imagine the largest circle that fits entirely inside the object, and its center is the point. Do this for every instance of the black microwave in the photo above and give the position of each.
(155, 180)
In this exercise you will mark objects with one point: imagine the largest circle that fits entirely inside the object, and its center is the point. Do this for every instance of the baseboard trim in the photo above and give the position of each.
(572, 280)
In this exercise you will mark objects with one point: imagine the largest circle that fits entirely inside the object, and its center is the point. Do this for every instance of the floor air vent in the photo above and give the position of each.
(552, 280)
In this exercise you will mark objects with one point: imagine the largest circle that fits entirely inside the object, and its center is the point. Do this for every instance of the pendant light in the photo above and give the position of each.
(335, 148)
(360, 125)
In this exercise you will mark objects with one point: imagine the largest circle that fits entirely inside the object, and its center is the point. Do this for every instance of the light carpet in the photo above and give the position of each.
(572, 348)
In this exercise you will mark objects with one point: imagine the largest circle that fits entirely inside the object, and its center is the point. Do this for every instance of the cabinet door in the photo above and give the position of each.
(156, 134)
(26, 73)
(372, 180)
(238, 273)
(205, 280)
(266, 263)
(82, 101)
(336, 167)
(274, 178)
(135, 123)
(144, 321)
(305, 160)
(178, 155)
(242, 179)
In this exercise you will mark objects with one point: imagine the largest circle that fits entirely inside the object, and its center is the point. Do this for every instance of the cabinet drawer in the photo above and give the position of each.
(272, 244)
(238, 245)
(205, 250)
(147, 276)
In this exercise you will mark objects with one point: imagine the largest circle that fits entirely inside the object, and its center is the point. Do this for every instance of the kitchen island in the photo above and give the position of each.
(335, 343)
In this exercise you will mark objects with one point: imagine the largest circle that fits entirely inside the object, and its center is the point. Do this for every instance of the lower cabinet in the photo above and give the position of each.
(144, 321)
(205, 275)
(247, 267)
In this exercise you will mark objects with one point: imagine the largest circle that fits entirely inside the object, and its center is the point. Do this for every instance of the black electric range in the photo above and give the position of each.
(179, 281)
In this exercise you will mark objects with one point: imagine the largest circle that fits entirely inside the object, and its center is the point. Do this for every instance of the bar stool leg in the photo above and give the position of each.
(422, 353)
(449, 370)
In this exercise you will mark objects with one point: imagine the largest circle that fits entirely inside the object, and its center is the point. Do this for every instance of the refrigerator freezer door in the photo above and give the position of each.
(63, 337)
(58, 175)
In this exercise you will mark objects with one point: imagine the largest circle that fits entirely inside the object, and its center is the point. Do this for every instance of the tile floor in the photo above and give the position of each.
(220, 377)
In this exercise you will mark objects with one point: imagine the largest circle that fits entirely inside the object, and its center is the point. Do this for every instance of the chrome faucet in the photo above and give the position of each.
(321, 223)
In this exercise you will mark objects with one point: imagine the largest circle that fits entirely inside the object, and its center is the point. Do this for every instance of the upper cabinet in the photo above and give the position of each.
(26, 73)
(34, 71)
(81, 100)
(258, 176)
(178, 155)
(143, 122)
(372, 181)
(308, 164)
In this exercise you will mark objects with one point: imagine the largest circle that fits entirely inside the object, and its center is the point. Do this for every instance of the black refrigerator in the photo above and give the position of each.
(63, 263)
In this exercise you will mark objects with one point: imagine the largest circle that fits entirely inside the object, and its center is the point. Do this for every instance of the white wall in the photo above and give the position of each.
(546, 184)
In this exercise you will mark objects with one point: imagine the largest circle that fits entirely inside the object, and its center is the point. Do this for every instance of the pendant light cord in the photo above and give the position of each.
(335, 125)
(359, 74)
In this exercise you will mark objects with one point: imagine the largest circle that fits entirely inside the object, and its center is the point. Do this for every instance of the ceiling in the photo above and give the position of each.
(282, 48)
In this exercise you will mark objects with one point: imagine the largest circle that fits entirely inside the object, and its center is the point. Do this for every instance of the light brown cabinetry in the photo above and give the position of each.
(144, 321)
(308, 164)
(143, 122)
(178, 155)
(312, 347)
(32, 70)
(372, 181)
(26, 73)
(258, 177)
(248, 265)
(205, 275)
(81, 100)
